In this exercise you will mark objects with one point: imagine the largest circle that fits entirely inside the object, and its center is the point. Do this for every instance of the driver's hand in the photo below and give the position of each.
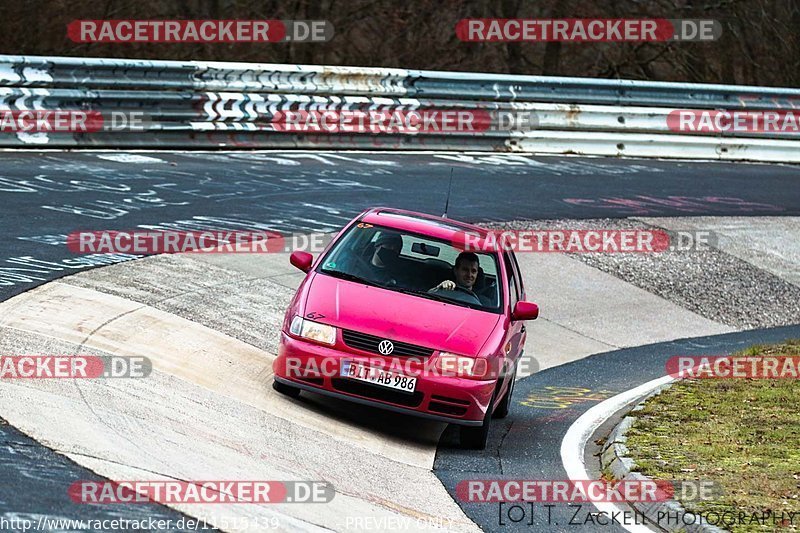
(447, 285)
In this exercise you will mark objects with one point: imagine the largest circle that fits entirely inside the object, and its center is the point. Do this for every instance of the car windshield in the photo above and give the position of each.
(415, 264)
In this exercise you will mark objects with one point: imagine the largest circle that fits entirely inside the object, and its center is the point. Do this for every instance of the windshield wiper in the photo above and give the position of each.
(433, 296)
(350, 277)
(418, 293)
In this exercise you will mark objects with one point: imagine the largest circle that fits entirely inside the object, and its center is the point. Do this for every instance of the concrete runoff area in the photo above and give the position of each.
(586, 309)
(207, 412)
(209, 324)
(749, 280)
(769, 243)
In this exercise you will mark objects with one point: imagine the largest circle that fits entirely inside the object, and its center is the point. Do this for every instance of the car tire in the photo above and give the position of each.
(476, 437)
(505, 404)
(283, 388)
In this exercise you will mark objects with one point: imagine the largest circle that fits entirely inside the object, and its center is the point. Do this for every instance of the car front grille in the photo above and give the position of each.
(448, 406)
(447, 409)
(369, 343)
(377, 393)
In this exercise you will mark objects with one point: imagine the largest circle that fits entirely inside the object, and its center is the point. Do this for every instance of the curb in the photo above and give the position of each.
(614, 460)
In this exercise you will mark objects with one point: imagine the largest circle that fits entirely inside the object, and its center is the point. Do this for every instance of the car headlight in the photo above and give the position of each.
(450, 364)
(314, 331)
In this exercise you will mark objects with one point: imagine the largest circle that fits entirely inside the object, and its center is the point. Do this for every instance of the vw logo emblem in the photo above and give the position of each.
(385, 347)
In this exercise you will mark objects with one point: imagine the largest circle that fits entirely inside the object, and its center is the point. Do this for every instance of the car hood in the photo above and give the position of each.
(398, 316)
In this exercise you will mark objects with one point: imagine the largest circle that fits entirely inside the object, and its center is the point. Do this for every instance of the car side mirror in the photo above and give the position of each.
(301, 260)
(525, 311)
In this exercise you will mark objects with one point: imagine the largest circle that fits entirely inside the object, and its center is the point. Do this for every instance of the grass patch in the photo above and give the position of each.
(742, 433)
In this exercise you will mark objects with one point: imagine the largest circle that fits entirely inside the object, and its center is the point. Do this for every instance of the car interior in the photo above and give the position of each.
(427, 272)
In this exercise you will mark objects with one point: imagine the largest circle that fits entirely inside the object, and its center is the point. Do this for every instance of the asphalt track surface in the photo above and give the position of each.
(59, 192)
(49, 194)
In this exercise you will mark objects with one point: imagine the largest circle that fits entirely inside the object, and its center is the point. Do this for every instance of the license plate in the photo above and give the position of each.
(378, 376)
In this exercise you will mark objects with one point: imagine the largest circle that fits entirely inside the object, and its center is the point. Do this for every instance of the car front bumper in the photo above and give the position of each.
(313, 367)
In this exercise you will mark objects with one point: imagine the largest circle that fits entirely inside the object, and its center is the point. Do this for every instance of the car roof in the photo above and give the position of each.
(422, 223)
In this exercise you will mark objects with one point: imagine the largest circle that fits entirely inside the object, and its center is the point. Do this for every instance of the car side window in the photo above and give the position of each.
(513, 286)
(518, 275)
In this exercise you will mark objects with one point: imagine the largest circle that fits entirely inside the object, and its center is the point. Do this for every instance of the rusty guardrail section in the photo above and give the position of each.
(202, 104)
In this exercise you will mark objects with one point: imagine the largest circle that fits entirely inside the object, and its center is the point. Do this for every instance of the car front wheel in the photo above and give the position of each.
(505, 404)
(476, 437)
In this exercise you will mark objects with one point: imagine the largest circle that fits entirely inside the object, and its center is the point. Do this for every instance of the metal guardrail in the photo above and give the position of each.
(233, 105)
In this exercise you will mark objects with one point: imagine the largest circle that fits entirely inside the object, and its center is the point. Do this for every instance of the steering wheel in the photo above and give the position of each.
(466, 291)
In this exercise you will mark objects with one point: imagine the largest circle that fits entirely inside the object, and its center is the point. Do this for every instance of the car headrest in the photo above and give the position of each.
(480, 280)
(368, 250)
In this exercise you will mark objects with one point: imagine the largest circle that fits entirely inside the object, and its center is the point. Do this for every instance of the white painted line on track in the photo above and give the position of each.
(130, 158)
(579, 433)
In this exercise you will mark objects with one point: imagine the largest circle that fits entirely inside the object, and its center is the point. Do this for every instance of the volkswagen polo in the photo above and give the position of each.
(399, 313)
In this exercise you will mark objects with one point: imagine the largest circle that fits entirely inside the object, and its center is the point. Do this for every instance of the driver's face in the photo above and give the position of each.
(466, 273)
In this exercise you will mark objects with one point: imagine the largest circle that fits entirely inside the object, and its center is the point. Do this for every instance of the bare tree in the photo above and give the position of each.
(760, 42)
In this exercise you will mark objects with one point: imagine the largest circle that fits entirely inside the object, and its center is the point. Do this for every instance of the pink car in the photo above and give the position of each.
(399, 313)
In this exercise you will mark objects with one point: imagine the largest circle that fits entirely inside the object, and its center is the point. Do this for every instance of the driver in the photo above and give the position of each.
(466, 274)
